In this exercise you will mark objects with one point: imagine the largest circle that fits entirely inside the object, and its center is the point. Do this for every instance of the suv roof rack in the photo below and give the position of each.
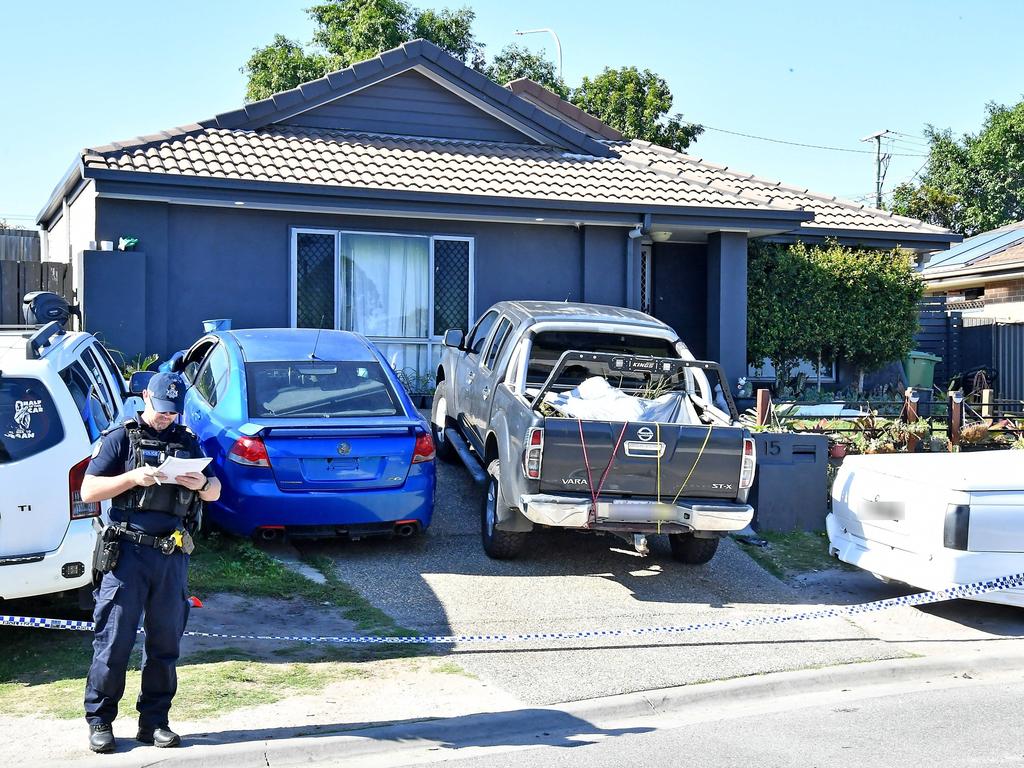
(42, 338)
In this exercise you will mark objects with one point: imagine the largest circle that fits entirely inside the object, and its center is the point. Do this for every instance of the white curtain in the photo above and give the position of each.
(386, 286)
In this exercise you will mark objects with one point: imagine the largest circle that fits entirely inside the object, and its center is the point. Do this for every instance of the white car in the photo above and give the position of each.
(932, 520)
(58, 391)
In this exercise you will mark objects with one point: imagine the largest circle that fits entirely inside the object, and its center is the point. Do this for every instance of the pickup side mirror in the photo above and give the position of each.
(177, 362)
(139, 381)
(454, 337)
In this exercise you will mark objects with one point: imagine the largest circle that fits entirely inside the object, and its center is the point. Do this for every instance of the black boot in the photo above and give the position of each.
(101, 738)
(161, 736)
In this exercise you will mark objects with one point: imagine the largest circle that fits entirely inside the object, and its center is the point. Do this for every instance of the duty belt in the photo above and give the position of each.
(166, 544)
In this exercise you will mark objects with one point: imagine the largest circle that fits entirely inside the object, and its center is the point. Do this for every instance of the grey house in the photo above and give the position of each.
(404, 195)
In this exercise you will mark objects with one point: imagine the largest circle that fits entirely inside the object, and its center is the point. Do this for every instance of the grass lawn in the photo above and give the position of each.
(42, 672)
(790, 554)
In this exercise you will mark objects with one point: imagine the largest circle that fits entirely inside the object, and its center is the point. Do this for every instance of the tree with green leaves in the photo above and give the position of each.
(975, 183)
(636, 104)
(829, 303)
(349, 31)
(282, 65)
(515, 62)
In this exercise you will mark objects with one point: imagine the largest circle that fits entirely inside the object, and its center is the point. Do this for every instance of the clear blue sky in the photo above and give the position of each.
(79, 74)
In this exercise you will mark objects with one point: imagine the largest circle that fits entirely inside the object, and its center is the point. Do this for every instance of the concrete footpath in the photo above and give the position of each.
(413, 741)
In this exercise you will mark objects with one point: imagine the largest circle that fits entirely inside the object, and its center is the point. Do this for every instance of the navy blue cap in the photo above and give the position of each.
(167, 392)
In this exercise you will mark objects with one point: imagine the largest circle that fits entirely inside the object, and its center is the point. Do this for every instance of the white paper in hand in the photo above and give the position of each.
(173, 466)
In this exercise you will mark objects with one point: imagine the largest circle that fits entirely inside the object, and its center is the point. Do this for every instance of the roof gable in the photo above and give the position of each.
(409, 104)
(344, 98)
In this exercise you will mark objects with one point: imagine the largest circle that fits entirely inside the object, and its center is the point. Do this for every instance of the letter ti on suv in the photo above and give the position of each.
(58, 391)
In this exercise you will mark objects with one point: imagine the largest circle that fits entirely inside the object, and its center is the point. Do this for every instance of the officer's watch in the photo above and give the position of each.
(205, 485)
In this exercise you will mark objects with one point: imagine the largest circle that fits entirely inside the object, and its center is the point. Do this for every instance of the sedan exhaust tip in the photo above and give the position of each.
(270, 533)
(406, 528)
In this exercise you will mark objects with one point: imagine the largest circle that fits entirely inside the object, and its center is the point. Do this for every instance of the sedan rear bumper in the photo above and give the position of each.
(251, 500)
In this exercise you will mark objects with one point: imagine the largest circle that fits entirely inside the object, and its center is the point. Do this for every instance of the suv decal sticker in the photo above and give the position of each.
(23, 410)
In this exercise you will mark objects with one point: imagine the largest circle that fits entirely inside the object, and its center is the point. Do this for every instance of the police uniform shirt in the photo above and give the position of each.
(114, 458)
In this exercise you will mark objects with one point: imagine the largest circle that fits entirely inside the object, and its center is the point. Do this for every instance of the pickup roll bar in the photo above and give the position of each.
(622, 363)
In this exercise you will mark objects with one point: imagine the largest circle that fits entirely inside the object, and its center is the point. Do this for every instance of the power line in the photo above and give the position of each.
(797, 143)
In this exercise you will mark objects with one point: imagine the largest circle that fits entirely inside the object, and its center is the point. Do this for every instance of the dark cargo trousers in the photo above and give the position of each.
(146, 583)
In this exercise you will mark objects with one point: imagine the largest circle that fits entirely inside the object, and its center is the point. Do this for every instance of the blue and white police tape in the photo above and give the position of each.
(922, 598)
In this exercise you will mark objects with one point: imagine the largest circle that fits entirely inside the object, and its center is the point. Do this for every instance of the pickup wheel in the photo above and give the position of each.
(687, 548)
(498, 545)
(438, 421)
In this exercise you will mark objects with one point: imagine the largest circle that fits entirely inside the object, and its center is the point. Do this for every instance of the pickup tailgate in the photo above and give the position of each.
(652, 460)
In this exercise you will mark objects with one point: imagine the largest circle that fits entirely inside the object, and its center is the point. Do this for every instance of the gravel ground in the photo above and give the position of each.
(442, 583)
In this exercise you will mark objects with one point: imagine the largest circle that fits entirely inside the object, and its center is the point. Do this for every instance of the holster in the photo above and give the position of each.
(106, 551)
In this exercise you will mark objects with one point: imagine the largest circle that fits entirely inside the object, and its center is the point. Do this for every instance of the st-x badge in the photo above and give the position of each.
(645, 433)
(344, 449)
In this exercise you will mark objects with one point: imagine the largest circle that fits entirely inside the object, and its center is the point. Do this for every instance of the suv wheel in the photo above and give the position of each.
(499, 545)
(438, 421)
(687, 548)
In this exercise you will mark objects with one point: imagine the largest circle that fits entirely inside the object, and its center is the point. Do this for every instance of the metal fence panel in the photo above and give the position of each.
(1008, 349)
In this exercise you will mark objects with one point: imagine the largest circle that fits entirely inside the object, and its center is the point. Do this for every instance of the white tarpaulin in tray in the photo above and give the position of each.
(597, 400)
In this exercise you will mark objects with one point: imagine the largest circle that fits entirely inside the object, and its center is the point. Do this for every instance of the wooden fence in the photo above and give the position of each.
(19, 245)
(20, 277)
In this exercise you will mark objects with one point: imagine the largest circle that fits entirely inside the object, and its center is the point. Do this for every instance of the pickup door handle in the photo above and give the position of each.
(640, 450)
(469, 377)
(486, 392)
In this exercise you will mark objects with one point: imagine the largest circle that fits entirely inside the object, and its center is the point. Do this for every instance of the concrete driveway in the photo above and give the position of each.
(442, 583)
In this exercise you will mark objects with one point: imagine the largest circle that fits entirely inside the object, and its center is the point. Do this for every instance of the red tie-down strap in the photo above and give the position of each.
(596, 492)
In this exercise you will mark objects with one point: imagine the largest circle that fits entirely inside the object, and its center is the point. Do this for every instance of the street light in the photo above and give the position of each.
(558, 45)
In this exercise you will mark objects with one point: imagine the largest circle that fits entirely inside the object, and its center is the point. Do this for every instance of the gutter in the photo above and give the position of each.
(204, 190)
(72, 179)
(970, 281)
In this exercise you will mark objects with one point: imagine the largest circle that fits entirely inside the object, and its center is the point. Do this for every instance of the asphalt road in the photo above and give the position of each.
(967, 726)
(442, 583)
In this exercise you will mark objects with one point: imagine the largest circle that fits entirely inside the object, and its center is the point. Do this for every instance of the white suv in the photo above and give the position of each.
(58, 391)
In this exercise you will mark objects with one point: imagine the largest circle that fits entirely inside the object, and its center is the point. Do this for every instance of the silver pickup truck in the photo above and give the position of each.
(594, 418)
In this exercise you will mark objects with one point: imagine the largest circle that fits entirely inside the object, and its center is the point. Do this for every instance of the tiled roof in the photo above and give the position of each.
(831, 213)
(399, 163)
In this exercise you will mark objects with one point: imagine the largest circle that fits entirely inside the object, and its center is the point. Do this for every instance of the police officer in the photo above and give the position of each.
(145, 554)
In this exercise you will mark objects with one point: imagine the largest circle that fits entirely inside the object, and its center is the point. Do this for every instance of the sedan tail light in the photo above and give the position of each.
(79, 508)
(424, 450)
(250, 452)
(749, 462)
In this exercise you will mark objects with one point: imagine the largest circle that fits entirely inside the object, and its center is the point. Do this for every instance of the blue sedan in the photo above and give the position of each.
(311, 434)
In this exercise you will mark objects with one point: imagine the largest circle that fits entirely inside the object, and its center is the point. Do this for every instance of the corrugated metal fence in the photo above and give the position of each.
(19, 245)
(999, 345)
(20, 277)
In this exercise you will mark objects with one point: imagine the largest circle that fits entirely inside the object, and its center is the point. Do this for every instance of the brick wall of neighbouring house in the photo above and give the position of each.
(999, 293)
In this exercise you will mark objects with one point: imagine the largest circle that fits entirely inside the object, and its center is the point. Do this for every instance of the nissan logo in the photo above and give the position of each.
(645, 433)
(344, 449)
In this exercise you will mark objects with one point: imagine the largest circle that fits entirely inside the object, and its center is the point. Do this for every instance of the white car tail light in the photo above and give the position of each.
(534, 452)
(749, 462)
(79, 508)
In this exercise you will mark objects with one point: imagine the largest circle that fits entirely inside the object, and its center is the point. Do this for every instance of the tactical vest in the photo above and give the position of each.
(169, 498)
